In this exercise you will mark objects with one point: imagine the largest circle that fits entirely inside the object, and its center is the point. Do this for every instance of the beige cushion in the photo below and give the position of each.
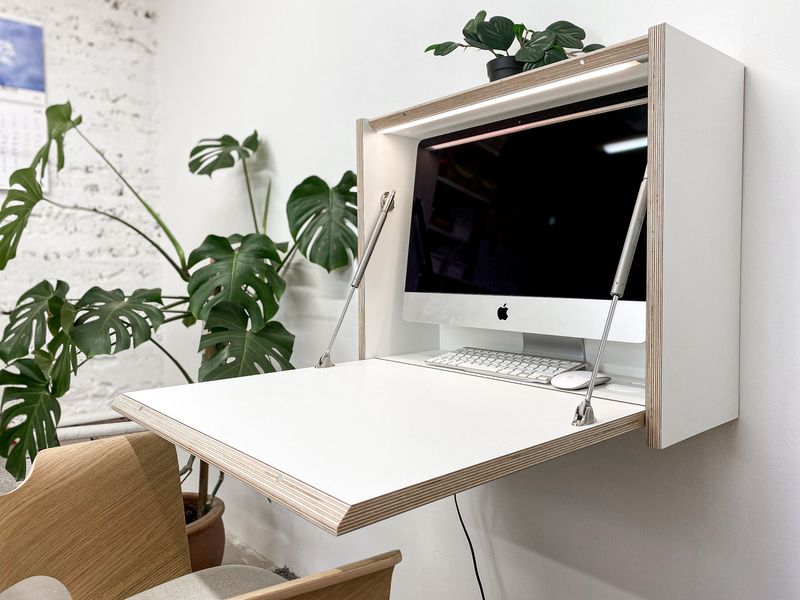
(212, 584)
(37, 588)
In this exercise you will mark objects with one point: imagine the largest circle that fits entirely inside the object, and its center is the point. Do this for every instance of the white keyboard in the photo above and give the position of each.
(507, 365)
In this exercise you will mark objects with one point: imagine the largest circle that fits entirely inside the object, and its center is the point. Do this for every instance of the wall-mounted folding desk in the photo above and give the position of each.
(351, 445)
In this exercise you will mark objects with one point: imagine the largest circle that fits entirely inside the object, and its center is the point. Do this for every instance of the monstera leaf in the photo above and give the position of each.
(212, 154)
(243, 274)
(27, 327)
(16, 210)
(241, 351)
(59, 122)
(59, 360)
(30, 414)
(108, 322)
(568, 35)
(322, 220)
(497, 33)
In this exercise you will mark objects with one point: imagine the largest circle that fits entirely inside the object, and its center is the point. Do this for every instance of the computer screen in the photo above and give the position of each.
(534, 206)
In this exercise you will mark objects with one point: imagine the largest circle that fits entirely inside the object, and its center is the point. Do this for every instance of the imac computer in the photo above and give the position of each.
(518, 225)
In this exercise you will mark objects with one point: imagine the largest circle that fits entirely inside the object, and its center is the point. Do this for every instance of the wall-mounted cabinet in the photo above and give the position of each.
(348, 446)
(695, 111)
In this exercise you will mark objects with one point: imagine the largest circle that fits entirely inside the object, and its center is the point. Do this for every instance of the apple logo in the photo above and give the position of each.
(502, 313)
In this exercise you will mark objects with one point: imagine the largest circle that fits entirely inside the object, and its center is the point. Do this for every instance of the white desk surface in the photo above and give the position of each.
(350, 445)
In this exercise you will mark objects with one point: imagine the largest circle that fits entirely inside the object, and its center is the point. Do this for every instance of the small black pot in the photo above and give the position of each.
(503, 66)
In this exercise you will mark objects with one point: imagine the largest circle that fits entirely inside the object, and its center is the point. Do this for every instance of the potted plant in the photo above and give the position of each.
(558, 41)
(233, 284)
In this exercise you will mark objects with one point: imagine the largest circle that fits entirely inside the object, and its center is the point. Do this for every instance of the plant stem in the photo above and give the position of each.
(250, 195)
(177, 317)
(176, 303)
(266, 206)
(202, 489)
(287, 259)
(153, 213)
(181, 271)
(174, 360)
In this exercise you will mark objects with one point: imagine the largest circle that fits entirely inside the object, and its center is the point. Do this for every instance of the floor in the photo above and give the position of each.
(238, 553)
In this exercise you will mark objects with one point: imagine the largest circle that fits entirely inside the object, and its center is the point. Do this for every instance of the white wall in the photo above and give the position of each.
(100, 56)
(713, 517)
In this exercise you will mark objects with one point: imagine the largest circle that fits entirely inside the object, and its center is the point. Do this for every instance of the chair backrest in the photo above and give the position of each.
(105, 518)
(369, 579)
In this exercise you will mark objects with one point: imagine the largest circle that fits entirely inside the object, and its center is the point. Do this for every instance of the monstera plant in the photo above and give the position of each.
(233, 283)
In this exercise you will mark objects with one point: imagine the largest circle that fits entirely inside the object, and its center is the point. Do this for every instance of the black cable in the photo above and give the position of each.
(471, 548)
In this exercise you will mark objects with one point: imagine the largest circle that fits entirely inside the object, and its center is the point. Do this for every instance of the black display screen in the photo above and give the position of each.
(541, 211)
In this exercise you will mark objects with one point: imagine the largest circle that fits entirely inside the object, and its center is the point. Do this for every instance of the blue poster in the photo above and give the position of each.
(21, 55)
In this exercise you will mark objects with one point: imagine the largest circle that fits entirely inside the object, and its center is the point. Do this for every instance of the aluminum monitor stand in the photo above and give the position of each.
(387, 204)
(584, 414)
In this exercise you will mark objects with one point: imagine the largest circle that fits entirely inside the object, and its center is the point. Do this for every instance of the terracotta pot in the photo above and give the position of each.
(206, 535)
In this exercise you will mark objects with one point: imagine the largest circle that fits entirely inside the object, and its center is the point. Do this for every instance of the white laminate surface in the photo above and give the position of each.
(368, 428)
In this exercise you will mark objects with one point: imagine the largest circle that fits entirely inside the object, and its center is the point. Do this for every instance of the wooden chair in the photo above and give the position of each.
(105, 518)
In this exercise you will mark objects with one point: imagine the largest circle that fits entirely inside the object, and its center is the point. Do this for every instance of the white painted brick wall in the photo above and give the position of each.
(100, 56)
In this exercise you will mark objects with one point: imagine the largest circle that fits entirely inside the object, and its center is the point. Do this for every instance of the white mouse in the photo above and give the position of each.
(577, 380)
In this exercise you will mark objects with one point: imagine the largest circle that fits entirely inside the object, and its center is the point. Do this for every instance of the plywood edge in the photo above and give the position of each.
(655, 224)
(701, 212)
(394, 503)
(327, 579)
(310, 503)
(610, 55)
(361, 126)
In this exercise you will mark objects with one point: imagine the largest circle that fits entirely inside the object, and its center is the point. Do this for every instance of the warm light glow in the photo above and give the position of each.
(625, 145)
(542, 123)
(513, 96)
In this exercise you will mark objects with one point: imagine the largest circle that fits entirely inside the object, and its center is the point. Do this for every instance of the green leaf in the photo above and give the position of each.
(534, 50)
(251, 141)
(322, 220)
(470, 31)
(242, 274)
(212, 154)
(27, 327)
(593, 47)
(242, 351)
(29, 415)
(58, 362)
(62, 348)
(519, 33)
(568, 35)
(444, 48)
(16, 210)
(59, 122)
(554, 54)
(108, 322)
(497, 32)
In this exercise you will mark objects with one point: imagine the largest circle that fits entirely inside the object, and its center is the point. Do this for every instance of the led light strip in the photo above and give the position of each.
(602, 72)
